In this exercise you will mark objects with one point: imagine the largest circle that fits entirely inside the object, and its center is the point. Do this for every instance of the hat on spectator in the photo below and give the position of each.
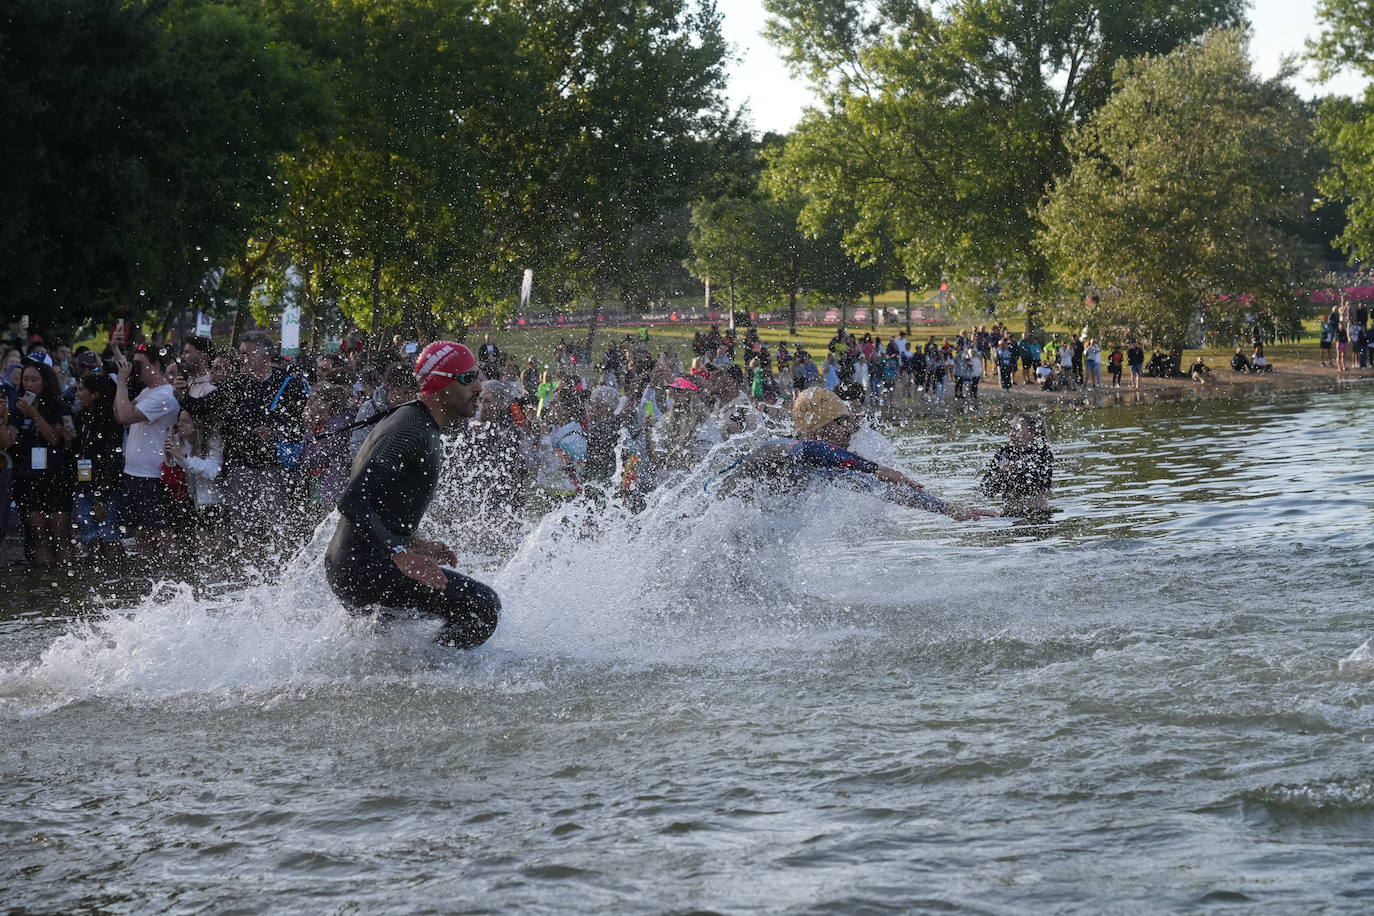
(814, 408)
(440, 362)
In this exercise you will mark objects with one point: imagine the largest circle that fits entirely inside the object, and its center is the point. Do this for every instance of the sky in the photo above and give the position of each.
(776, 100)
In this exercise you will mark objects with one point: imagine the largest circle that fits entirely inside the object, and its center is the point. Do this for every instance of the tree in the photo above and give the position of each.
(1183, 195)
(942, 125)
(633, 123)
(1346, 126)
(139, 145)
(755, 246)
(239, 98)
(73, 228)
(482, 138)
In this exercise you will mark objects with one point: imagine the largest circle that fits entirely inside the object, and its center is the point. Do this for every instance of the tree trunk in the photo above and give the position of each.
(376, 292)
(907, 285)
(167, 318)
(241, 301)
(872, 312)
(250, 271)
(792, 312)
(309, 310)
(591, 325)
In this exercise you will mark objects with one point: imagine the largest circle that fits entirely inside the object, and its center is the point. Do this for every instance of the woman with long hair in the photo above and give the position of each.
(194, 447)
(38, 435)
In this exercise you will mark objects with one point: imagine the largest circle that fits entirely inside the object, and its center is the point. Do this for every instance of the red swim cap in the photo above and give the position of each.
(439, 362)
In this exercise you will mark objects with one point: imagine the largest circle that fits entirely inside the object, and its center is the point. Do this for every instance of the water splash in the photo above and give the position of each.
(691, 580)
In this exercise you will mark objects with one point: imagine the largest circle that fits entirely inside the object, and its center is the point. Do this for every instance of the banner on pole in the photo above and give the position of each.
(203, 324)
(526, 286)
(291, 331)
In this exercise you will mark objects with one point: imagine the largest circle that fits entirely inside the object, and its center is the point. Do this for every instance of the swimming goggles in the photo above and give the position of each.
(462, 378)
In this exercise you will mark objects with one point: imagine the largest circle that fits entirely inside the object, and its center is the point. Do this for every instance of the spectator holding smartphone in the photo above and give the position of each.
(38, 435)
(149, 416)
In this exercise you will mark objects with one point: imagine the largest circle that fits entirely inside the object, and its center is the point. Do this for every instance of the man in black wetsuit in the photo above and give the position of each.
(374, 558)
(1022, 470)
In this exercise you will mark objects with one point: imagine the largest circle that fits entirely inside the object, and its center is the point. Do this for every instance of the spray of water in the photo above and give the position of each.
(690, 580)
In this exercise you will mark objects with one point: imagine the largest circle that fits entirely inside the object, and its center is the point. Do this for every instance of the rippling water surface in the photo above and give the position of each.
(1157, 701)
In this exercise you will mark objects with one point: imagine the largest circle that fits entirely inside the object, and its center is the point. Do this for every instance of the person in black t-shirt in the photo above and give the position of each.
(1135, 358)
(1022, 470)
(262, 477)
(99, 457)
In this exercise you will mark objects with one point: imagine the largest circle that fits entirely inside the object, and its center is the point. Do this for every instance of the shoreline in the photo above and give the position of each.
(993, 399)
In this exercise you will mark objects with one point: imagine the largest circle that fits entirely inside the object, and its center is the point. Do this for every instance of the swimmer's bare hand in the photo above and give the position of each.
(439, 553)
(421, 568)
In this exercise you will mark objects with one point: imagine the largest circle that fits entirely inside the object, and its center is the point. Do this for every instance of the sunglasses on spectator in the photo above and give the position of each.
(462, 378)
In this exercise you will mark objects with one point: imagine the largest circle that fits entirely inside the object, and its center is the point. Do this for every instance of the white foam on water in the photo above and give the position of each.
(1359, 663)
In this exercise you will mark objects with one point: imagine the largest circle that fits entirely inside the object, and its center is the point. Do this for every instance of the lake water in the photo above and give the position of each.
(1155, 702)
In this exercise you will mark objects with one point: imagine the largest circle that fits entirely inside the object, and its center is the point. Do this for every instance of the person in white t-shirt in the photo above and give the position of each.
(149, 417)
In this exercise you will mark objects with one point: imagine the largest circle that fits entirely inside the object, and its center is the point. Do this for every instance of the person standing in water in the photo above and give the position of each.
(374, 558)
(1022, 470)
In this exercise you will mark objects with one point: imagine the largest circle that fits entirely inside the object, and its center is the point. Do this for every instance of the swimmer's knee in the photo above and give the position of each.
(472, 615)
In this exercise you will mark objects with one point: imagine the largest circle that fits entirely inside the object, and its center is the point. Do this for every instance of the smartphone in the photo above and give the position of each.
(29, 397)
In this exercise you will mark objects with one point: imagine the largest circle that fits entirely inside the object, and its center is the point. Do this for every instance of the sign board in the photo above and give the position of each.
(291, 331)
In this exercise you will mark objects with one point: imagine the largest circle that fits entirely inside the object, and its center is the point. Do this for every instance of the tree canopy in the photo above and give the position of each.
(1185, 194)
(140, 144)
(1346, 126)
(942, 126)
(407, 158)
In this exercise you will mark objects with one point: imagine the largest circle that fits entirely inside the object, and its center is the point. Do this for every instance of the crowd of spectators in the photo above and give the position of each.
(171, 451)
(1345, 337)
(185, 450)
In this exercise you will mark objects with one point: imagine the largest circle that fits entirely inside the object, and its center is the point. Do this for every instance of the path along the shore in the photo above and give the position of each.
(1288, 375)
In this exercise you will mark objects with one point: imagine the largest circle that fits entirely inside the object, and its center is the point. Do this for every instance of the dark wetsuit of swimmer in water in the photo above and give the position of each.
(393, 480)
